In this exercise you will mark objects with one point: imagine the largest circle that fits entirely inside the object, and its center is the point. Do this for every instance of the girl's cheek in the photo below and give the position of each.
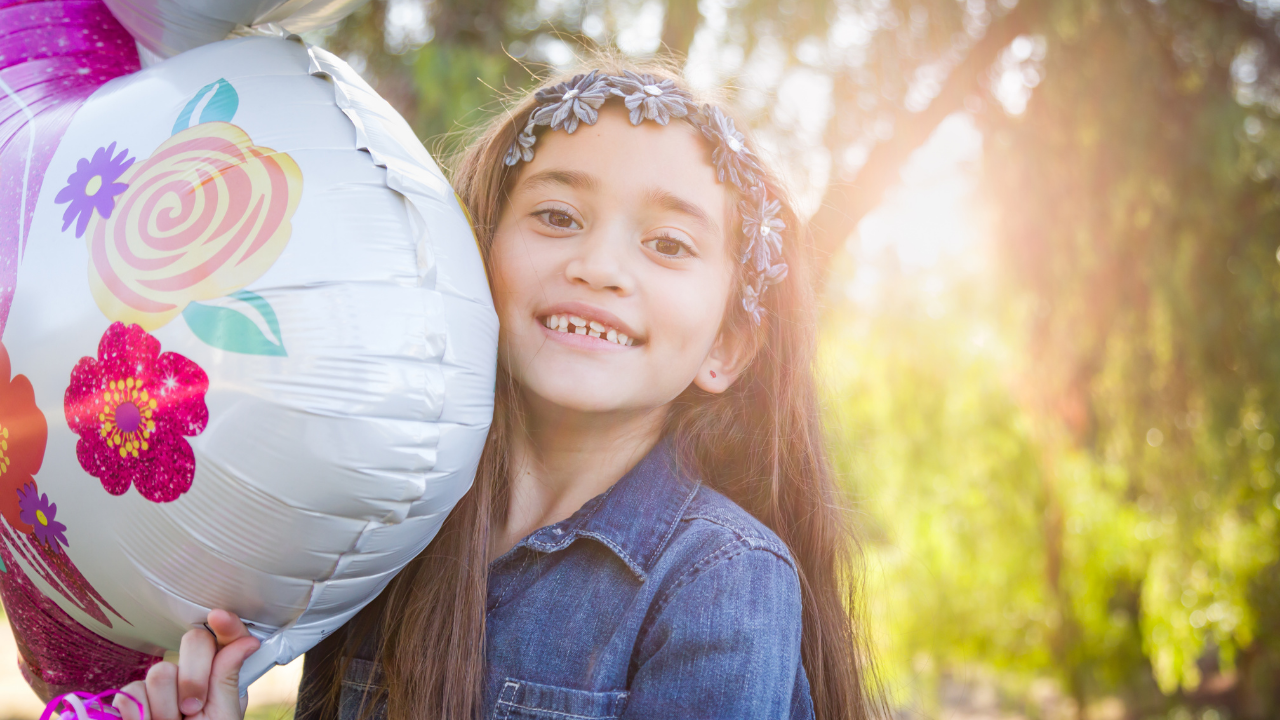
(506, 273)
(517, 261)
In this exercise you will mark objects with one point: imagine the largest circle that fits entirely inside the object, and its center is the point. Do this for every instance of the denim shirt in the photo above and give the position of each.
(659, 598)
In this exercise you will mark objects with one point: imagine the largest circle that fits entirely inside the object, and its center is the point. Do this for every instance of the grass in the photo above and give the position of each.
(270, 712)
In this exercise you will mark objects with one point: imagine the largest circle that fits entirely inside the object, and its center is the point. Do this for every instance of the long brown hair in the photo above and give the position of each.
(760, 443)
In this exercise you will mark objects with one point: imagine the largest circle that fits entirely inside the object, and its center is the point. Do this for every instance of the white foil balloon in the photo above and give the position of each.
(169, 27)
(253, 316)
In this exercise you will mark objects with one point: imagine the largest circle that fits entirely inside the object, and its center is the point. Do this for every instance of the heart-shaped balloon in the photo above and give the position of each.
(249, 354)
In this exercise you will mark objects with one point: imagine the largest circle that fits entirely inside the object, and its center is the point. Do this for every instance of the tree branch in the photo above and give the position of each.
(844, 204)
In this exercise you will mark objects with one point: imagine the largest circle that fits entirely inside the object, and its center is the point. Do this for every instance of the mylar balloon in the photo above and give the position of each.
(168, 27)
(250, 356)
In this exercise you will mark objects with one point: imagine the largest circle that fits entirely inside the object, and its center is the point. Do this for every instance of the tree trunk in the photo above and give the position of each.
(679, 26)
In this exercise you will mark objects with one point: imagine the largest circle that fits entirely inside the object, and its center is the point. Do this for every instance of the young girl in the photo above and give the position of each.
(654, 530)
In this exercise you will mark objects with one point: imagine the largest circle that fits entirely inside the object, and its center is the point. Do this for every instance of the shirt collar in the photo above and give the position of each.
(635, 518)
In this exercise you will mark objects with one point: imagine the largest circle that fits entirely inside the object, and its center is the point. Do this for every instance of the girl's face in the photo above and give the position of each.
(611, 268)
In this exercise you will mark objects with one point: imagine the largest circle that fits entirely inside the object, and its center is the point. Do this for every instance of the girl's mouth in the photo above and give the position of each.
(572, 324)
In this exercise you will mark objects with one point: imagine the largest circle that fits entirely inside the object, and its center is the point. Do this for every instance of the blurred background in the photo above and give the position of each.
(1051, 322)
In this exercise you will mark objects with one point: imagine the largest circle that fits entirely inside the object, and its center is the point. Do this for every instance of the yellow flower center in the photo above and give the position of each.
(41, 517)
(125, 419)
(4, 450)
(93, 186)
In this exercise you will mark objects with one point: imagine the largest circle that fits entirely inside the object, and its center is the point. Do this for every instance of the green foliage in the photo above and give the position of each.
(458, 87)
(961, 488)
(948, 473)
(1138, 218)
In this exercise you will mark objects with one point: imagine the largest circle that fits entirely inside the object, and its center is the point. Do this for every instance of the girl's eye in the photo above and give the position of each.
(669, 247)
(557, 219)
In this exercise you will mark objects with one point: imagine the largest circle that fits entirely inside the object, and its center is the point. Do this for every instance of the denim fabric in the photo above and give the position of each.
(660, 598)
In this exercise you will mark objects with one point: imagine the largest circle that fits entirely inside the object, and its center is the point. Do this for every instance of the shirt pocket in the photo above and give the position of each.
(360, 686)
(522, 700)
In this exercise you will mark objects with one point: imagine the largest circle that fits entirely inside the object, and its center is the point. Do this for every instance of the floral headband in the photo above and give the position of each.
(647, 98)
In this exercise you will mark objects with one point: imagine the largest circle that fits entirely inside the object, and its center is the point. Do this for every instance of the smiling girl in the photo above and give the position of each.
(654, 530)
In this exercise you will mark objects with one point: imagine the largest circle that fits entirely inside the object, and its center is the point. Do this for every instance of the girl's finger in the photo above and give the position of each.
(162, 692)
(226, 627)
(129, 709)
(195, 657)
(224, 690)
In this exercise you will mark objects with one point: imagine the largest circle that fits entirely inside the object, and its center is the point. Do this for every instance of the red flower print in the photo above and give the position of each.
(132, 407)
(23, 434)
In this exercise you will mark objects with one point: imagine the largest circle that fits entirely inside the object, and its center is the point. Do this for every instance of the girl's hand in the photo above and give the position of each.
(205, 684)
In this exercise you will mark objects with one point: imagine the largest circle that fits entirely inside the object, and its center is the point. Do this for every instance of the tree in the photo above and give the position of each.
(1139, 219)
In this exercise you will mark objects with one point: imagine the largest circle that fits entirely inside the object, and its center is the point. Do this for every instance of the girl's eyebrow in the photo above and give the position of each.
(670, 201)
(570, 178)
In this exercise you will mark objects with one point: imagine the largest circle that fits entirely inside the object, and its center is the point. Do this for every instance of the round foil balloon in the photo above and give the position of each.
(248, 362)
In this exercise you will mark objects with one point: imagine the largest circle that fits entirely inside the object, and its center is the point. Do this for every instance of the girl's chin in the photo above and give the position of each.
(591, 390)
(561, 403)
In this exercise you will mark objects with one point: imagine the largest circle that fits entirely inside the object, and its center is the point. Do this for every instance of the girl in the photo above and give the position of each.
(654, 530)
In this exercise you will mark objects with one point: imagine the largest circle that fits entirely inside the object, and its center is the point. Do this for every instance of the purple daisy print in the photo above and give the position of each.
(93, 186)
(39, 513)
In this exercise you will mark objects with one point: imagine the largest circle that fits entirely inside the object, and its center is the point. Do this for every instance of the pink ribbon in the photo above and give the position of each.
(85, 706)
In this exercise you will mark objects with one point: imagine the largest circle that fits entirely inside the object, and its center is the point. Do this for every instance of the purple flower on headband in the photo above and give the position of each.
(753, 290)
(731, 156)
(522, 148)
(762, 228)
(775, 274)
(564, 105)
(751, 302)
(649, 98)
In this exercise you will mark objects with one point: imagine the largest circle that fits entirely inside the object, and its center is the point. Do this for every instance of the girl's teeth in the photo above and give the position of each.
(593, 328)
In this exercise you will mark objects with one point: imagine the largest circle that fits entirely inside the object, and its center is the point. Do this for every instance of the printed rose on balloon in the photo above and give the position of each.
(206, 215)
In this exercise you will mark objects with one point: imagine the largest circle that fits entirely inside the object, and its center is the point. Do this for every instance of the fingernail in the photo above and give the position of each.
(191, 706)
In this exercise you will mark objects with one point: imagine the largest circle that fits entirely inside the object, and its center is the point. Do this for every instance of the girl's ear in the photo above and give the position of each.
(728, 358)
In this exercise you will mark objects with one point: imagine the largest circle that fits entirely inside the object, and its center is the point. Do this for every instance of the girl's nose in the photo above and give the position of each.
(600, 264)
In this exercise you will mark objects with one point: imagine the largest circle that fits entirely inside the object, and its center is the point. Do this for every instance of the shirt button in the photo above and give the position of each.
(557, 531)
